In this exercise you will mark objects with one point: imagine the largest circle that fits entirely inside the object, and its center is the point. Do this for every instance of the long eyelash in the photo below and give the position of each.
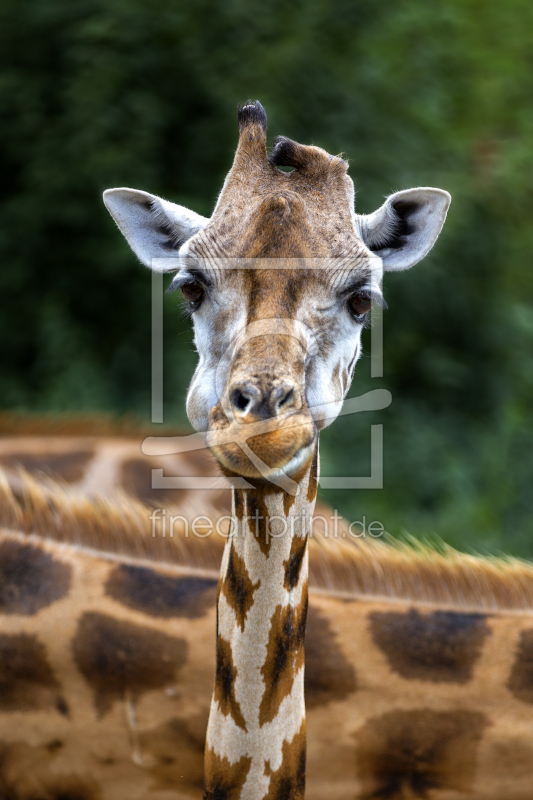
(186, 309)
(177, 282)
(192, 275)
(378, 299)
(374, 294)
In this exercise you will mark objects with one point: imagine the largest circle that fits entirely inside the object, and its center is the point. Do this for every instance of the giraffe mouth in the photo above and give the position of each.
(264, 448)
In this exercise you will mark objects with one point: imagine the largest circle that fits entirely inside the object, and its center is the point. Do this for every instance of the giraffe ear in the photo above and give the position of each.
(406, 226)
(153, 227)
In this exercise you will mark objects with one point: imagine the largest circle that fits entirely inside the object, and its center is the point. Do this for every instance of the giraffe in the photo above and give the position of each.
(279, 282)
(418, 664)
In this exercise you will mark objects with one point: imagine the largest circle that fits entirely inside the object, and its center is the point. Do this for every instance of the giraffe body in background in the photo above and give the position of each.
(279, 282)
(97, 457)
(418, 678)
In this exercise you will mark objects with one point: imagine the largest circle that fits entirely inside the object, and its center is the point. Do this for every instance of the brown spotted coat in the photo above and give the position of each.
(418, 678)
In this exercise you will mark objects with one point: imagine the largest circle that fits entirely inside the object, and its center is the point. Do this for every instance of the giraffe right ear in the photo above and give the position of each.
(406, 226)
(153, 227)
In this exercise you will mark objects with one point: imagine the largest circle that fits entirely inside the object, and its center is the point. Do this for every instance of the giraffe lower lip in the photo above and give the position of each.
(284, 449)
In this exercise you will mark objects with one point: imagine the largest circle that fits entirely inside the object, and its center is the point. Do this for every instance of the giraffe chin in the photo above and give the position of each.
(286, 450)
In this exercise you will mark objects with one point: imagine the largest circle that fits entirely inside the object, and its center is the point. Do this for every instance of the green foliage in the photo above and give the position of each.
(141, 94)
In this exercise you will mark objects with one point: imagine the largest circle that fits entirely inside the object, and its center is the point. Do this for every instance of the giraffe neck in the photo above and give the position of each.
(255, 744)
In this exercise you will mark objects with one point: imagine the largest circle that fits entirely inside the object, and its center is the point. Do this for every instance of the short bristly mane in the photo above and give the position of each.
(122, 526)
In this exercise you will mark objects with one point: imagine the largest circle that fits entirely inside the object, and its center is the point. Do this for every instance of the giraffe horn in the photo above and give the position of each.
(252, 135)
(252, 113)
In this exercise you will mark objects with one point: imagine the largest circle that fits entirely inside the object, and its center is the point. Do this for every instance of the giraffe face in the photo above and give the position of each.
(279, 283)
(277, 352)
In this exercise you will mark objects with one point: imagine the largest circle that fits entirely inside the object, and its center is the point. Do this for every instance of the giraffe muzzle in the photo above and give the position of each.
(261, 434)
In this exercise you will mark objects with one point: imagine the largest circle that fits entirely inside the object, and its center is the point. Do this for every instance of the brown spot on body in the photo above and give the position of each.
(238, 588)
(293, 564)
(329, 676)
(224, 780)
(285, 656)
(288, 782)
(27, 682)
(442, 646)
(31, 773)
(177, 748)
(118, 658)
(160, 595)
(30, 578)
(69, 467)
(226, 674)
(416, 753)
(520, 682)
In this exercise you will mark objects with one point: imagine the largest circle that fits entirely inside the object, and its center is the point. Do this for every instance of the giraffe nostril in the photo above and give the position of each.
(287, 399)
(240, 401)
(250, 401)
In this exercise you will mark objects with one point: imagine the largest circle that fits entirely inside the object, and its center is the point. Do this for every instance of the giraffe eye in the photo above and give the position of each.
(359, 305)
(193, 293)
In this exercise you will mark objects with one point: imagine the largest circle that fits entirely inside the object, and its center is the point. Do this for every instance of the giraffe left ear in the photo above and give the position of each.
(406, 226)
(154, 228)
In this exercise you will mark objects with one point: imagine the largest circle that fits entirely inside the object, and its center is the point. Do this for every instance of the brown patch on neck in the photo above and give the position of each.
(258, 518)
(224, 780)
(238, 588)
(226, 674)
(288, 782)
(239, 502)
(293, 564)
(288, 501)
(285, 656)
(312, 486)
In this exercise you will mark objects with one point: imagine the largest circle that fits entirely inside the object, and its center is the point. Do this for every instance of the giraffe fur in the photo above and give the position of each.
(406, 697)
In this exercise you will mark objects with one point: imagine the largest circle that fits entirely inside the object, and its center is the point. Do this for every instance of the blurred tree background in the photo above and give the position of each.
(96, 94)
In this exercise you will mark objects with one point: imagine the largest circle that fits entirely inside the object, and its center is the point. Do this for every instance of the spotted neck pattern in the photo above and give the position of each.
(256, 744)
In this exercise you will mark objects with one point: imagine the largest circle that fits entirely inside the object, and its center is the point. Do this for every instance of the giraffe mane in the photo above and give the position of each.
(13, 424)
(120, 525)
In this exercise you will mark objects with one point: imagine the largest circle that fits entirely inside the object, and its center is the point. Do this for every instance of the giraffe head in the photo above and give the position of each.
(279, 282)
